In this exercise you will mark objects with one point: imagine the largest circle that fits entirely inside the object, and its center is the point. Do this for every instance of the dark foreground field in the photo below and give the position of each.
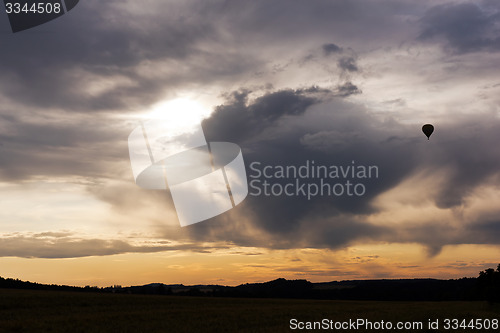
(54, 311)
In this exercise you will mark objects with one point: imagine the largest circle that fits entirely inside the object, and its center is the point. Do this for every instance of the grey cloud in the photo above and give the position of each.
(347, 89)
(467, 27)
(485, 232)
(331, 48)
(341, 21)
(97, 45)
(116, 56)
(248, 253)
(348, 64)
(466, 152)
(399, 102)
(135, 198)
(53, 246)
(338, 231)
(61, 147)
(439, 233)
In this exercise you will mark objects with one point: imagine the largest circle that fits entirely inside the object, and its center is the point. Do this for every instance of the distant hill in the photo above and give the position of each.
(485, 287)
(386, 290)
(410, 290)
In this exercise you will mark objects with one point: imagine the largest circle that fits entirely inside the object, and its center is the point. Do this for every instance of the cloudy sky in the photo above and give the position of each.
(335, 82)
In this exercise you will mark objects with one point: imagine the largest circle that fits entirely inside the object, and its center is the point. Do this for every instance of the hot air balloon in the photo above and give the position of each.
(428, 129)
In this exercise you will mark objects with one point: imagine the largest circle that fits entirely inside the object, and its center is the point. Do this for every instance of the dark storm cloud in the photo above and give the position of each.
(467, 27)
(331, 131)
(342, 134)
(232, 123)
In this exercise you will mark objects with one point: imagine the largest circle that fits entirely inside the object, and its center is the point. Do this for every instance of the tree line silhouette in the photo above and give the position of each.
(485, 287)
(488, 283)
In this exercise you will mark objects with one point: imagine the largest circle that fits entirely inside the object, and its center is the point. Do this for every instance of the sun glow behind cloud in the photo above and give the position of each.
(179, 116)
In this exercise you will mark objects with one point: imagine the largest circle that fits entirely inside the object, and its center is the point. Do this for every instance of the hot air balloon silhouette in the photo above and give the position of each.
(428, 129)
(25, 14)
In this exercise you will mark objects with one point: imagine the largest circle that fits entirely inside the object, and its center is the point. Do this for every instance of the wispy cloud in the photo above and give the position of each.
(67, 245)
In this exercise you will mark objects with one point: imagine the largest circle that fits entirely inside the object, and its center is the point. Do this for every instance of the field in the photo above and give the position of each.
(53, 311)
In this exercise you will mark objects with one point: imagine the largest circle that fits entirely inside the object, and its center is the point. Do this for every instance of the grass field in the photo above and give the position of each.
(53, 311)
